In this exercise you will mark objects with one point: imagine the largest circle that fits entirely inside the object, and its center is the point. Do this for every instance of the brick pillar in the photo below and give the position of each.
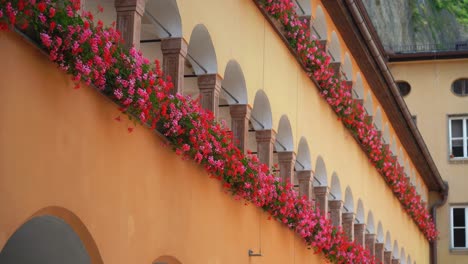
(349, 83)
(387, 257)
(265, 145)
(359, 232)
(368, 119)
(307, 19)
(370, 243)
(359, 101)
(210, 86)
(321, 197)
(174, 51)
(129, 14)
(395, 261)
(240, 115)
(324, 44)
(379, 252)
(348, 225)
(335, 207)
(336, 66)
(286, 160)
(305, 183)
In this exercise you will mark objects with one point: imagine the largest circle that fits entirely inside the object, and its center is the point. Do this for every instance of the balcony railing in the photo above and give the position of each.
(428, 47)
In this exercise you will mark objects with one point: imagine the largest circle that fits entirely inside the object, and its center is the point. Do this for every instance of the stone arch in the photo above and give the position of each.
(319, 26)
(162, 18)
(401, 157)
(233, 87)
(51, 235)
(370, 223)
(303, 160)
(388, 241)
(402, 256)
(262, 118)
(358, 88)
(396, 251)
(335, 47)
(360, 211)
(303, 7)
(335, 188)
(368, 104)
(347, 67)
(380, 233)
(166, 260)
(393, 146)
(320, 177)
(284, 138)
(378, 119)
(349, 200)
(409, 260)
(201, 52)
(386, 134)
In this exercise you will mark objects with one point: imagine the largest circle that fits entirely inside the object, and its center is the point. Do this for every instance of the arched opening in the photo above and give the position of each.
(349, 200)
(52, 235)
(260, 119)
(393, 147)
(358, 88)
(166, 260)
(368, 104)
(402, 256)
(370, 223)
(360, 212)
(284, 138)
(396, 251)
(335, 190)
(319, 26)
(303, 160)
(303, 8)
(388, 241)
(347, 68)
(320, 177)
(401, 157)
(378, 120)
(386, 134)
(380, 233)
(161, 20)
(335, 48)
(409, 260)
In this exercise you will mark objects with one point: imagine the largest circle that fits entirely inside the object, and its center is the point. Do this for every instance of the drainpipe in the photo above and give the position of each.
(434, 207)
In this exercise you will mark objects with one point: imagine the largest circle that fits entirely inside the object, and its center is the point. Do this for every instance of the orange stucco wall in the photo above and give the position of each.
(139, 201)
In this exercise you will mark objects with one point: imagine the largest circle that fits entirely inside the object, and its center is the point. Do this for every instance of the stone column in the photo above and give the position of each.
(395, 261)
(359, 232)
(335, 208)
(349, 83)
(240, 115)
(387, 257)
(265, 145)
(286, 160)
(174, 51)
(305, 183)
(370, 243)
(336, 66)
(306, 19)
(368, 119)
(379, 252)
(348, 225)
(359, 101)
(129, 14)
(321, 198)
(210, 86)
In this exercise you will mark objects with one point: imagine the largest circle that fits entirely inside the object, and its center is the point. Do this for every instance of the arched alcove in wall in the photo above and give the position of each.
(360, 212)
(53, 235)
(303, 160)
(393, 146)
(319, 25)
(396, 250)
(349, 200)
(368, 104)
(358, 87)
(335, 47)
(347, 67)
(409, 260)
(261, 117)
(388, 241)
(161, 20)
(335, 189)
(303, 7)
(201, 52)
(320, 177)
(402, 256)
(386, 134)
(284, 137)
(378, 119)
(370, 223)
(380, 233)
(166, 260)
(233, 86)
(401, 157)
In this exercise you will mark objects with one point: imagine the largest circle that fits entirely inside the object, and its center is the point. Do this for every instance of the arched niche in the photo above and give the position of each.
(161, 20)
(358, 87)
(368, 104)
(393, 147)
(348, 67)
(261, 117)
(396, 250)
(409, 260)
(335, 189)
(166, 260)
(233, 87)
(201, 53)
(335, 47)
(303, 7)
(360, 212)
(284, 138)
(402, 256)
(319, 25)
(321, 178)
(380, 233)
(53, 235)
(370, 223)
(349, 200)
(388, 241)
(378, 119)
(386, 134)
(303, 160)
(401, 157)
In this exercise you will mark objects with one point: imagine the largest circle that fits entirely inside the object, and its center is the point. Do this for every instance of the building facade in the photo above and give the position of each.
(70, 172)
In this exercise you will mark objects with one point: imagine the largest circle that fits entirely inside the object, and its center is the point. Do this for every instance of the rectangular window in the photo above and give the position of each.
(458, 137)
(458, 226)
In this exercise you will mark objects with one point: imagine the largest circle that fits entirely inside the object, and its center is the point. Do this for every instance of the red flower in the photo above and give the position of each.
(51, 12)
(41, 7)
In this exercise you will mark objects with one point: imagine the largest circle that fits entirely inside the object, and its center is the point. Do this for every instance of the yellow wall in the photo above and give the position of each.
(243, 35)
(432, 100)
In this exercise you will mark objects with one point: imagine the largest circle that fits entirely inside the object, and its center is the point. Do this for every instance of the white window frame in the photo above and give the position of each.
(452, 228)
(464, 137)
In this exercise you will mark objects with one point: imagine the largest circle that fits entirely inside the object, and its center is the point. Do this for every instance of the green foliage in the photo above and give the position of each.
(459, 8)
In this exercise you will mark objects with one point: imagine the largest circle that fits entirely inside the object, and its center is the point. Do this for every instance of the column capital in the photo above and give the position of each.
(304, 176)
(349, 216)
(349, 83)
(240, 111)
(209, 81)
(268, 135)
(286, 156)
(130, 5)
(174, 46)
(321, 190)
(335, 204)
(387, 257)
